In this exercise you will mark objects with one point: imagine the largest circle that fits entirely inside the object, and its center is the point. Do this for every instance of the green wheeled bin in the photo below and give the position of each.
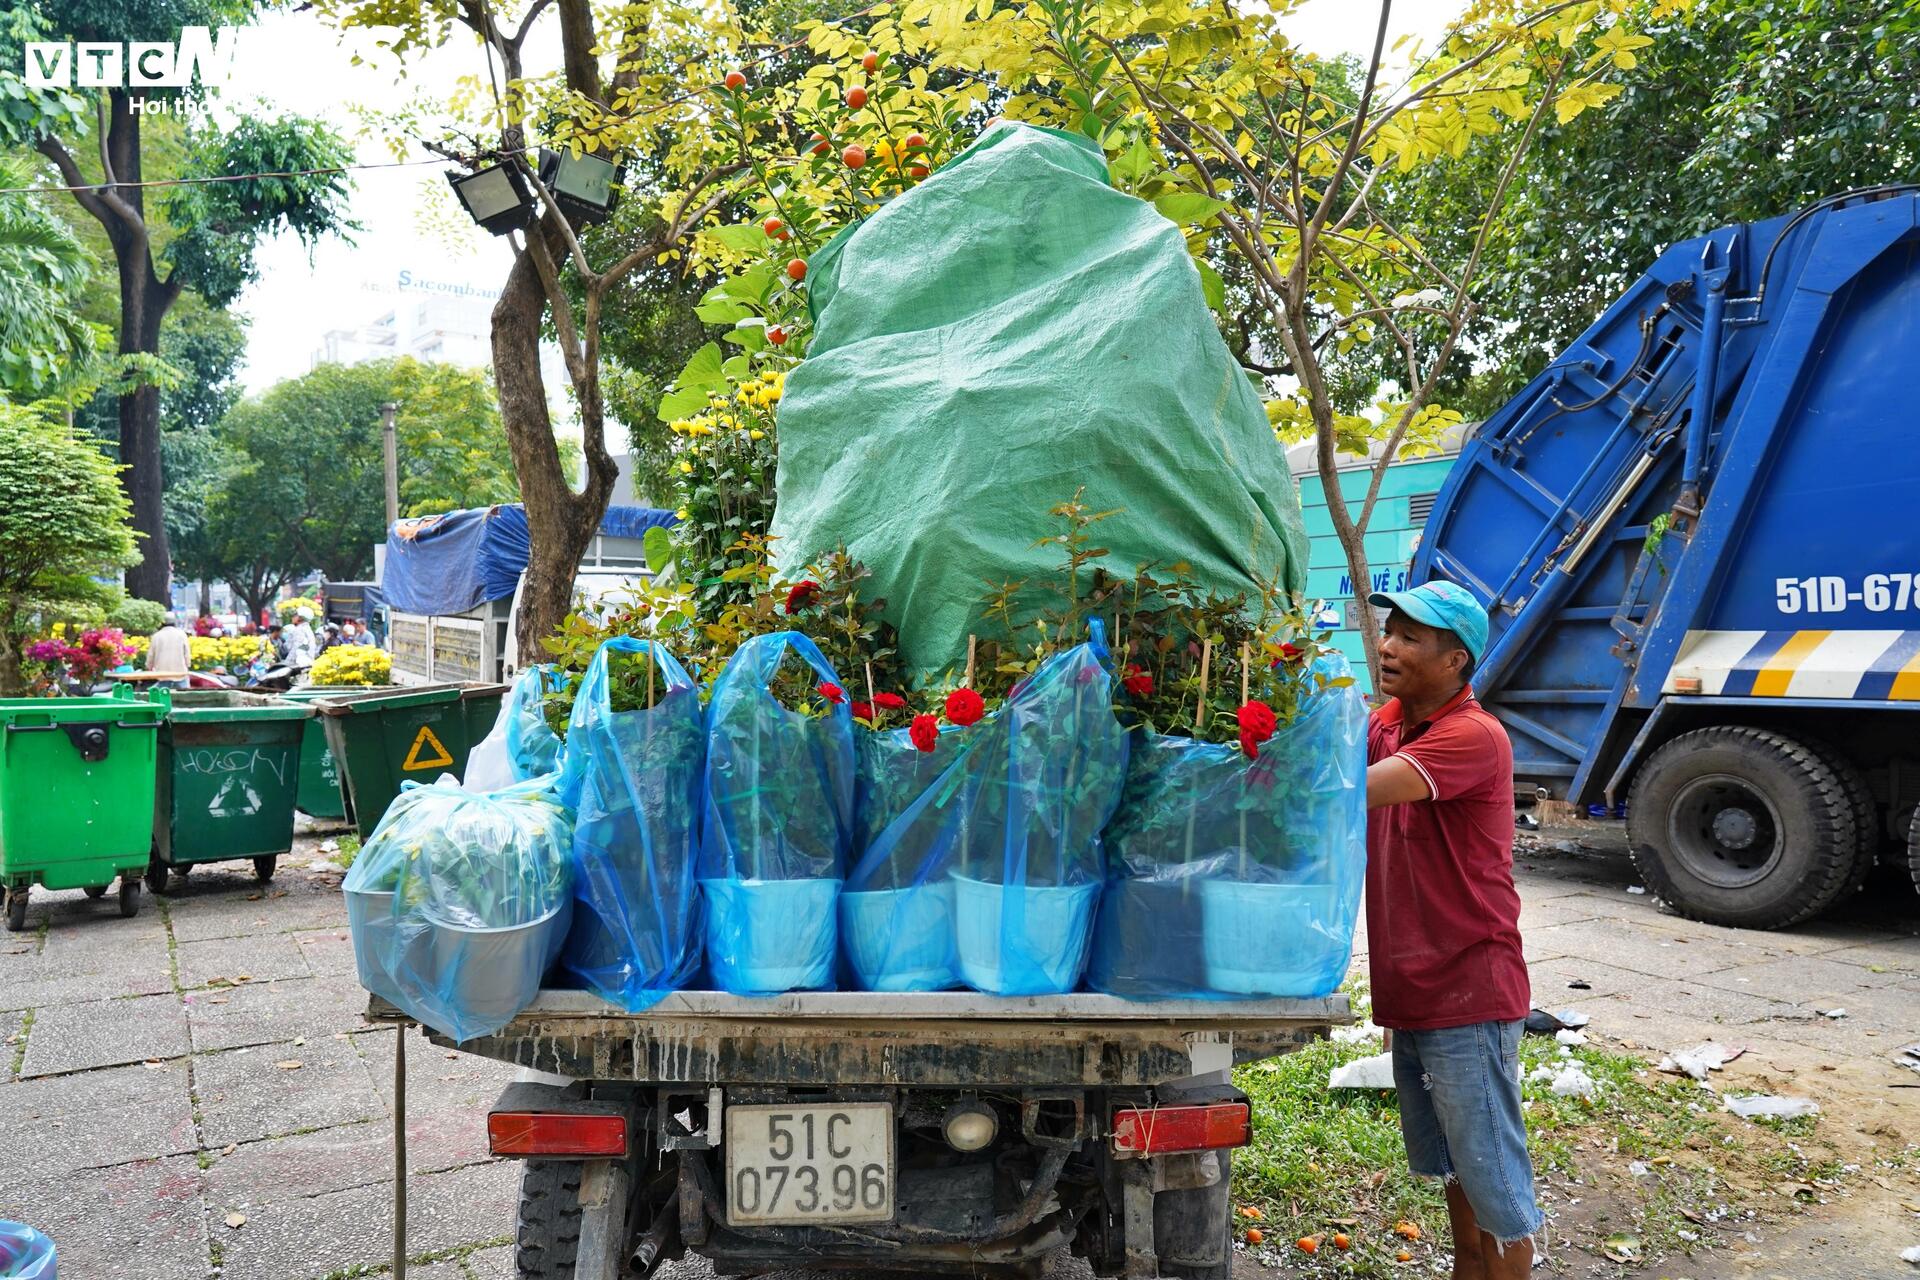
(322, 791)
(384, 737)
(76, 795)
(229, 769)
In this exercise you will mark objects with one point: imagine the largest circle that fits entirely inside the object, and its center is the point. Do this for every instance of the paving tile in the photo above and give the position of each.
(328, 952)
(301, 1239)
(1670, 954)
(103, 1033)
(218, 906)
(94, 1118)
(245, 1095)
(259, 959)
(78, 964)
(130, 1222)
(493, 1264)
(1897, 960)
(263, 1013)
(69, 911)
(1820, 983)
(1543, 913)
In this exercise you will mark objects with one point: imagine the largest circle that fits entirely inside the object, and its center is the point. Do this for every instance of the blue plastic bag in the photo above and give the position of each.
(777, 819)
(1002, 845)
(25, 1254)
(633, 780)
(521, 745)
(1235, 878)
(482, 903)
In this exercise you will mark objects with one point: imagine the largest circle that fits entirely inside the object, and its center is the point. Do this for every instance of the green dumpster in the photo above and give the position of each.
(76, 795)
(321, 794)
(384, 737)
(229, 768)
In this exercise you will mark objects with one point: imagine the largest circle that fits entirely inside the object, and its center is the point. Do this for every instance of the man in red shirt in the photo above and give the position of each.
(1443, 926)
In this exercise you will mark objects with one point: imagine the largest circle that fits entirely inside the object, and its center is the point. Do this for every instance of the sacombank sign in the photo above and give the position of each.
(198, 56)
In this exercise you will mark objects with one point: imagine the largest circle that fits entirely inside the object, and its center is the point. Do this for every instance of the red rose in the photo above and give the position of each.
(863, 711)
(1258, 721)
(1247, 745)
(889, 702)
(799, 594)
(1291, 653)
(964, 706)
(832, 692)
(925, 732)
(1137, 682)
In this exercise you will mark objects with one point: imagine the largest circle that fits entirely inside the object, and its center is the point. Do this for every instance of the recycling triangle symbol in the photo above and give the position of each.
(249, 799)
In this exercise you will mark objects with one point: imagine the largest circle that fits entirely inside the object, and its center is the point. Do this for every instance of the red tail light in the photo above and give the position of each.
(533, 1133)
(1143, 1131)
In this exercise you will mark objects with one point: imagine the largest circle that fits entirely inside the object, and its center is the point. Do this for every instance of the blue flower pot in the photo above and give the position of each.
(1274, 939)
(370, 917)
(1022, 940)
(769, 936)
(901, 939)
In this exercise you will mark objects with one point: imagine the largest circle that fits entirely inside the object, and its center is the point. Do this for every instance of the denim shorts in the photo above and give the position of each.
(1461, 1118)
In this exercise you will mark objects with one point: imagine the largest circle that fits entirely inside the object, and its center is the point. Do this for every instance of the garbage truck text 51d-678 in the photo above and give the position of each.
(1694, 533)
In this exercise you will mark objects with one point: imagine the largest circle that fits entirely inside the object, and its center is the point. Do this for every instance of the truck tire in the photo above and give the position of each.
(1913, 849)
(1742, 827)
(1866, 812)
(1193, 1228)
(547, 1240)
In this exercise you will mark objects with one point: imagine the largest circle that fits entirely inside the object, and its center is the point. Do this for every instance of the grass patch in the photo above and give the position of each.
(349, 849)
(1648, 1155)
(20, 1045)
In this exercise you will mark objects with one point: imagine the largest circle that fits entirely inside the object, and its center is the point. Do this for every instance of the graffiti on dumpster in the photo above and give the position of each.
(236, 797)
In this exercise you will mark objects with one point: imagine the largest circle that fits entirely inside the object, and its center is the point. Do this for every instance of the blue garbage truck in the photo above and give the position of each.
(1697, 534)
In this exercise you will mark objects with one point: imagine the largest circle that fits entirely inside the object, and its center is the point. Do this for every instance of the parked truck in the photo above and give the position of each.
(1695, 535)
(931, 1133)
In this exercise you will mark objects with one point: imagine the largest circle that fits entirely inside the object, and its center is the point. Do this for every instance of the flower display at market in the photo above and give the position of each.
(353, 664)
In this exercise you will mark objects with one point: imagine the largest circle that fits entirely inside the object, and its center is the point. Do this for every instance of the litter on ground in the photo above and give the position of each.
(1762, 1106)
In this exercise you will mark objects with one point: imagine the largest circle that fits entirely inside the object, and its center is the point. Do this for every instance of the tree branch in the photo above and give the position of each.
(106, 207)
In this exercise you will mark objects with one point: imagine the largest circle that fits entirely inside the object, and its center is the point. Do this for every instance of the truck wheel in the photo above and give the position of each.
(1866, 813)
(1913, 849)
(17, 909)
(1193, 1228)
(129, 895)
(1742, 827)
(548, 1238)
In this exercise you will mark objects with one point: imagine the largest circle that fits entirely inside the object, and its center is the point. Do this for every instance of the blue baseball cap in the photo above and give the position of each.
(1446, 605)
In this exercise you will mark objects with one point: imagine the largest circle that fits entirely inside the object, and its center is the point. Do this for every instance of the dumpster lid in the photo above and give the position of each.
(38, 713)
(351, 701)
(208, 706)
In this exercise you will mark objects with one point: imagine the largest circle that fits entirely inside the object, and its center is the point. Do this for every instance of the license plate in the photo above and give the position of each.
(797, 1166)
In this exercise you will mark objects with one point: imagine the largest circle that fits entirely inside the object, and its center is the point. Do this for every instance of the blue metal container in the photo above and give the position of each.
(1695, 535)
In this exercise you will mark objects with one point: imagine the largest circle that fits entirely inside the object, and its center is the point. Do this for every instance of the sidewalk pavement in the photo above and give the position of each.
(193, 1092)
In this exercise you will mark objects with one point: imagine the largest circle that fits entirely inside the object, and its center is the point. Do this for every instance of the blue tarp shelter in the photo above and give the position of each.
(454, 562)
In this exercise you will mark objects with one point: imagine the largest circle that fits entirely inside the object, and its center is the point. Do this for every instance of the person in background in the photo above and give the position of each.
(352, 633)
(276, 643)
(168, 650)
(329, 636)
(1449, 981)
(301, 648)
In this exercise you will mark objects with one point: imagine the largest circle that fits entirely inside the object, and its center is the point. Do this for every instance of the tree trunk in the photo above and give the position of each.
(206, 596)
(561, 523)
(12, 683)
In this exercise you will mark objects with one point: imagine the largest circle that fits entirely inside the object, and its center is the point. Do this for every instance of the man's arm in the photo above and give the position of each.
(1395, 781)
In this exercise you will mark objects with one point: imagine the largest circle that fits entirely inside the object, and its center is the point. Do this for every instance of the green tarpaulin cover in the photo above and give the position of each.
(1011, 329)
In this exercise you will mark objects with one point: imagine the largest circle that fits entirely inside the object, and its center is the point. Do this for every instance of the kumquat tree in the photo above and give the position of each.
(1287, 167)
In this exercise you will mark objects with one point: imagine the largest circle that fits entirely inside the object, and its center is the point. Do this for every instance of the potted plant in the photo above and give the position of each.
(1231, 852)
(633, 750)
(777, 815)
(482, 905)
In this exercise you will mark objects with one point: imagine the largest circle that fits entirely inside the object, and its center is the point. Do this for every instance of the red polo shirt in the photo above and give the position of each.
(1443, 917)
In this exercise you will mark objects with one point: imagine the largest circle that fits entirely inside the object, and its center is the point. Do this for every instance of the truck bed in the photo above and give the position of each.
(918, 1039)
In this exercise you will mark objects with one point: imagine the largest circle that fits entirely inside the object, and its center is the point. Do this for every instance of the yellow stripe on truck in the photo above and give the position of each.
(1906, 685)
(1773, 679)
